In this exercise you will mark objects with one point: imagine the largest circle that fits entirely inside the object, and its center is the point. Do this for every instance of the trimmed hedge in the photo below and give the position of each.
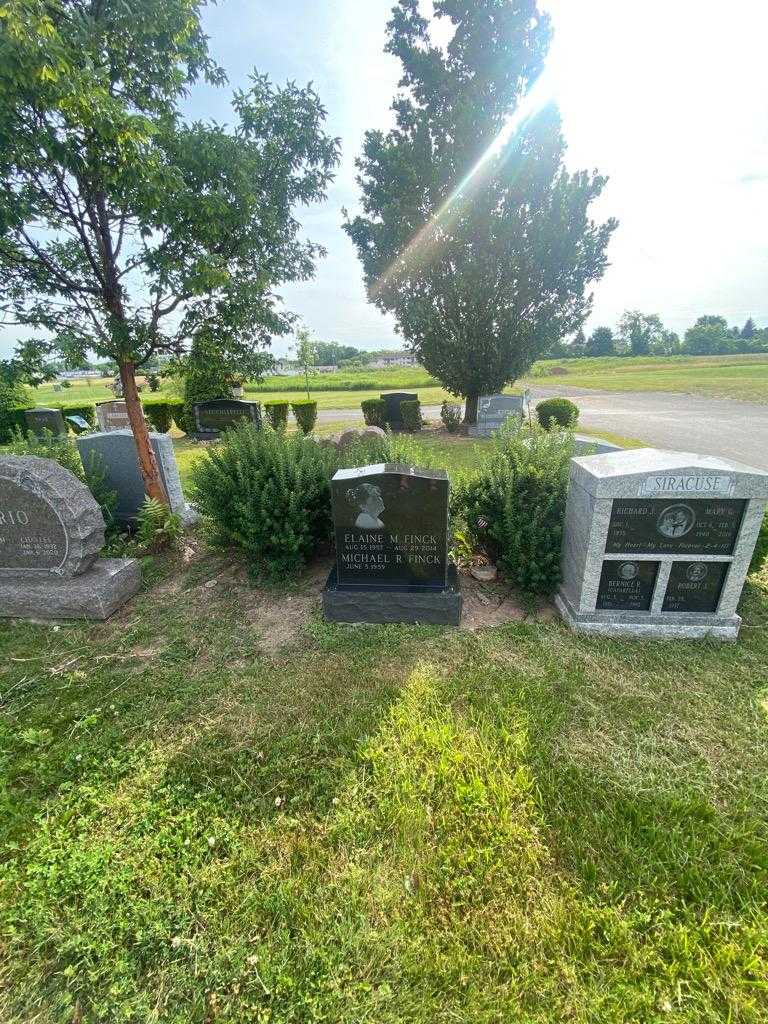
(163, 413)
(305, 412)
(277, 414)
(560, 411)
(12, 420)
(374, 412)
(410, 411)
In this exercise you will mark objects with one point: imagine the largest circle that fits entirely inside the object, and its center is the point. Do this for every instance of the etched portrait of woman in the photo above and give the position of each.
(367, 499)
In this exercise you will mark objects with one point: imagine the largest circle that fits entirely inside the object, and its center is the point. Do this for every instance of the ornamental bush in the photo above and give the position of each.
(374, 412)
(410, 411)
(560, 411)
(450, 414)
(306, 415)
(277, 414)
(162, 413)
(14, 399)
(268, 493)
(514, 507)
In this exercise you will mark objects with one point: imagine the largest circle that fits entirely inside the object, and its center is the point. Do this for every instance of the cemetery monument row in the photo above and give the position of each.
(391, 529)
(220, 413)
(658, 543)
(51, 533)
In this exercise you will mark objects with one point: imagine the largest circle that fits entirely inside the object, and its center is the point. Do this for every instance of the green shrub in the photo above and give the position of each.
(153, 381)
(410, 410)
(515, 506)
(163, 412)
(451, 416)
(277, 414)
(374, 412)
(306, 415)
(561, 411)
(268, 493)
(207, 377)
(14, 399)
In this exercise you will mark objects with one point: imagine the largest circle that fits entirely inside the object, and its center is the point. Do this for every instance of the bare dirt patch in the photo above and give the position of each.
(496, 604)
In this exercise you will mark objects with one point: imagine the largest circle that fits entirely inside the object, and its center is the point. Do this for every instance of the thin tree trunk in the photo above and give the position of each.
(470, 410)
(153, 485)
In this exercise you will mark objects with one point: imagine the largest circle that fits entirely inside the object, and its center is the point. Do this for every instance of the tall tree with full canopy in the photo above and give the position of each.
(481, 248)
(125, 230)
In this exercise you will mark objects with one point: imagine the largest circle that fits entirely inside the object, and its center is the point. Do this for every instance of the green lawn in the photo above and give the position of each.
(741, 377)
(218, 807)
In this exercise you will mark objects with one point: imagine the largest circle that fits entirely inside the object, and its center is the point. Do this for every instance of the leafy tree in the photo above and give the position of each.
(123, 229)
(306, 354)
(665, 344)
(748, 330)
(578, 347)
(480, 245)
(331, 353)
(600, 342)
(707, 338)
(638, 331)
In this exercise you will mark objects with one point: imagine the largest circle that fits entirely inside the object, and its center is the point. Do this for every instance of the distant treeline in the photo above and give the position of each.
(643, 334)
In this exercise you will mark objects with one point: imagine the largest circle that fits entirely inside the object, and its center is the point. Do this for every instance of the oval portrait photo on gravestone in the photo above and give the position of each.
(676, 520)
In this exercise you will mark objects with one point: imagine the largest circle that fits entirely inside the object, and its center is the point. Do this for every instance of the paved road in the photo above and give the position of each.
(709, 426)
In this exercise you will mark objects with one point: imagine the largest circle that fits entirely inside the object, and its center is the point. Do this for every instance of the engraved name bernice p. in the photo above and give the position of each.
(676, 483)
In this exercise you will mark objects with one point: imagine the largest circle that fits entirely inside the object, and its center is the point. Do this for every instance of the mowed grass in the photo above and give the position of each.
(203, 820)
(741, 377)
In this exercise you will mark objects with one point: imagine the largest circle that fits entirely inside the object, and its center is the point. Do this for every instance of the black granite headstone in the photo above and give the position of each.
(627, 586)
(696, 526)
(40, 420)
(220, 413)
(393, 399)
(391, 526)
(694, 586)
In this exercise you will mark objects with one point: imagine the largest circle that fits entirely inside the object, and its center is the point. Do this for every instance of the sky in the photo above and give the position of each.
(668, 98)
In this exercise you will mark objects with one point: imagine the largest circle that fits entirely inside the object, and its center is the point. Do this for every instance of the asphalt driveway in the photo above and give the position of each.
(694, 423)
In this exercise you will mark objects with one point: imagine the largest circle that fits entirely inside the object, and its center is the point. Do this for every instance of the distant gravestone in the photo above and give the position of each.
(78, 424)
(118, 458)
(112, 415)
(494, 410)
(659, 543)
(393, 415)
(391, 531)
(221, 413)
(39, 420)
(51, 532)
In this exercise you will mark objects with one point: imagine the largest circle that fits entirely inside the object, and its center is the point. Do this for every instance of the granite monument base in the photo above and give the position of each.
(667, 625)
(95, 594)
(405, 604)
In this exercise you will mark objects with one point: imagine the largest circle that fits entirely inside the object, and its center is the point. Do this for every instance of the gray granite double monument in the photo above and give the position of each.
(658, 543)
(391, 530)
(51, 533)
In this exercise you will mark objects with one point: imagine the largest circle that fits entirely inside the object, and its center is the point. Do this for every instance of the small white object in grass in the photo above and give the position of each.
(78, 757)
(211, 841)
(278, 801)
(175, 941)
(335, 801)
